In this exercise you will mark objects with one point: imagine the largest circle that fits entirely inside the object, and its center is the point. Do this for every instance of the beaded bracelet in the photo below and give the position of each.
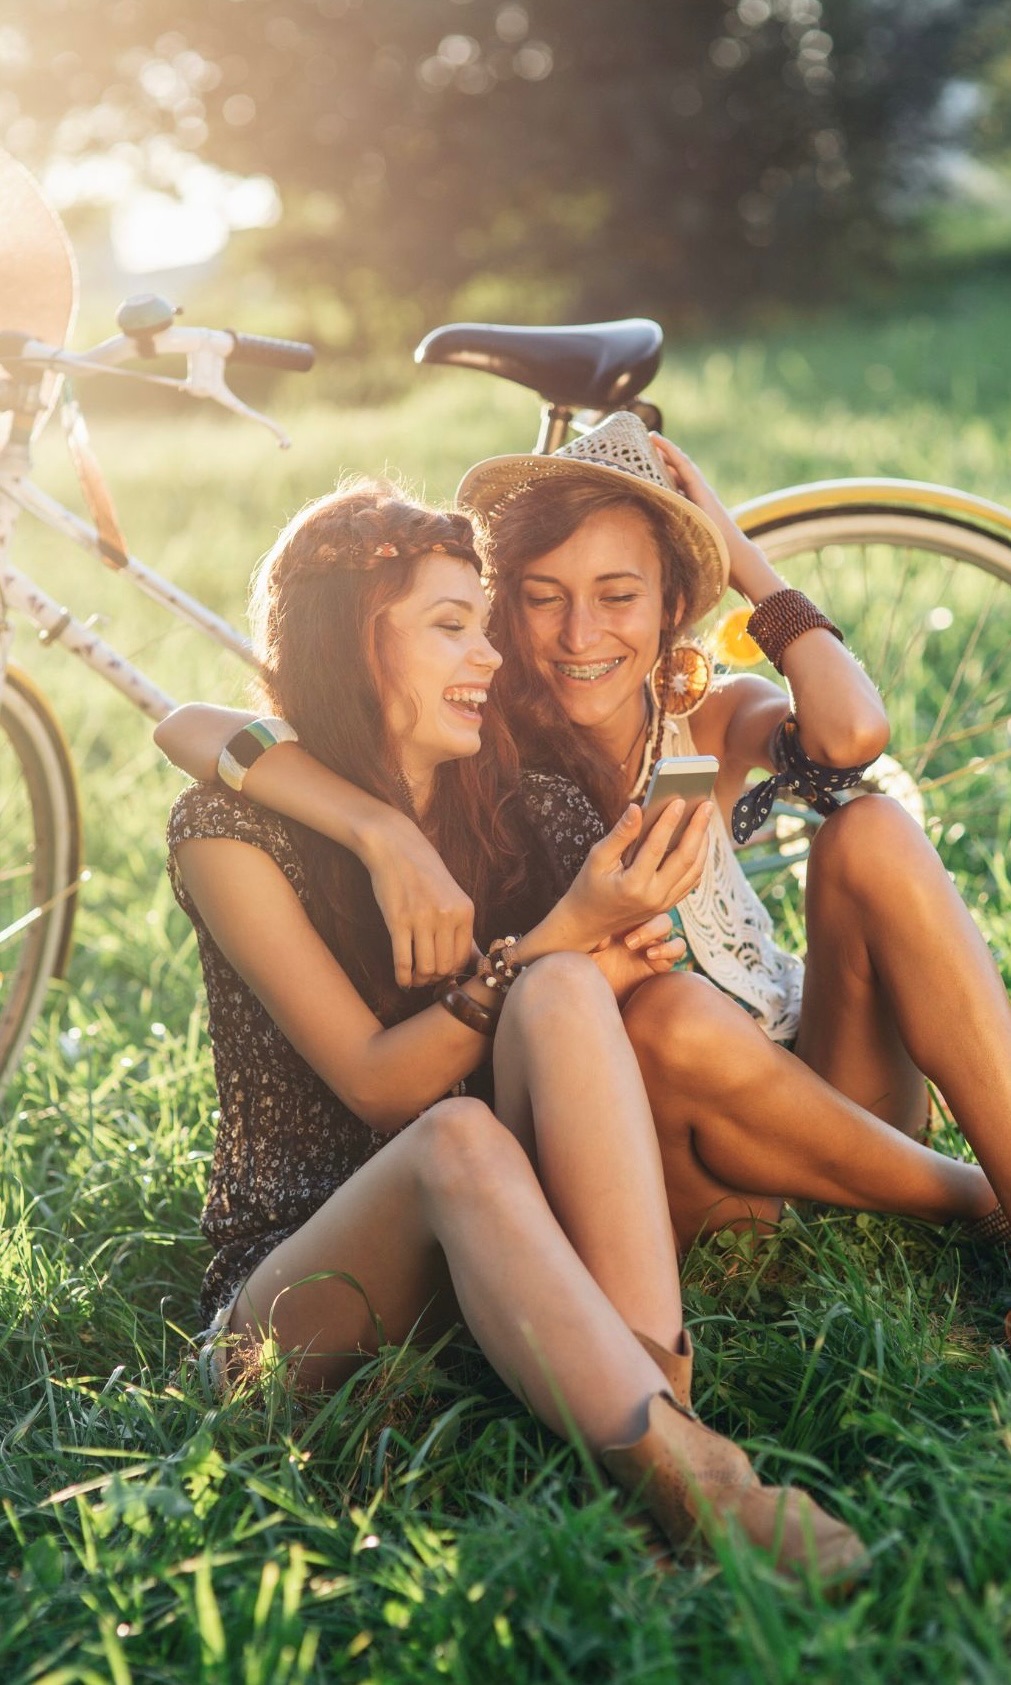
(245, 748)
(466, 1009)
(777, 621)
(500, 970)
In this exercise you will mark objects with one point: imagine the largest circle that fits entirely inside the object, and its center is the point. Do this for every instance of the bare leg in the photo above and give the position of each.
(899, 982)
(451, 1214)
(744, 1124)
(449, 1221)
(567, 1084)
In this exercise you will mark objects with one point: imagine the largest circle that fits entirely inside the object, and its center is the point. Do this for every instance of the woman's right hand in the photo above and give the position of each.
(610, 896)
(428, 916)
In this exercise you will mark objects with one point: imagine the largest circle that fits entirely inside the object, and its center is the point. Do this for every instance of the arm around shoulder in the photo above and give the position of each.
(429, 917)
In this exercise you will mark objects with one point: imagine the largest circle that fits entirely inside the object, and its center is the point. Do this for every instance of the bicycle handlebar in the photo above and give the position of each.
(291, 354)
(207, 350)
(171, 341)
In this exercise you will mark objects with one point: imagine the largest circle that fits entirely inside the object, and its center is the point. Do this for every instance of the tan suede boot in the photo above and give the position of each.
(694, 1481)
(675, 1366)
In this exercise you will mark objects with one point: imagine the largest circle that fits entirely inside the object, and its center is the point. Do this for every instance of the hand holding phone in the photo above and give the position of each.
(690, 777)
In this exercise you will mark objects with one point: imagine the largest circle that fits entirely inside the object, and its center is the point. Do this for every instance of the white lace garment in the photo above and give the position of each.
(728, 931)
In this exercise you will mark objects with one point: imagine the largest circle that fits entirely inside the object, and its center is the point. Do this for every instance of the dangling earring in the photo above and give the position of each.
(681, 675)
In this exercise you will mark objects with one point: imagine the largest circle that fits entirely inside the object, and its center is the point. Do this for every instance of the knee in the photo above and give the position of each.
(559, 993)
(863, 844)
(465, 1153)
(682, 1027)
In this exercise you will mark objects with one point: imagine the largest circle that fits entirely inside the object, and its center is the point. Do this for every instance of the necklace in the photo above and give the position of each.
(404, 787)
(640, 734)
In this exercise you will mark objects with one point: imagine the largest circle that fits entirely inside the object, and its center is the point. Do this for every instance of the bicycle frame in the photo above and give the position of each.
(57, 625)
(19, 593)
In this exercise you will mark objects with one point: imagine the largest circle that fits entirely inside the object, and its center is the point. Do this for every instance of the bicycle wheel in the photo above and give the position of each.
(39, 859)
(919, 579)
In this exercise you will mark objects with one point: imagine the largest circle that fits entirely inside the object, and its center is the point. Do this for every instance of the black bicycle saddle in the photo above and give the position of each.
(591, 365)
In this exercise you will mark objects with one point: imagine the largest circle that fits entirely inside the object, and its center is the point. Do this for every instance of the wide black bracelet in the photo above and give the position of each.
(798, 775)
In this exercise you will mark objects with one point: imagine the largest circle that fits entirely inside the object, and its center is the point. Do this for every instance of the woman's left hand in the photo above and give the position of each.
(648, 951)
(656, 943)
(748, 566)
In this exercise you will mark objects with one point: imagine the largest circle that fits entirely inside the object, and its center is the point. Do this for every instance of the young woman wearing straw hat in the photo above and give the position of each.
(349, 1204)
(768, 1079)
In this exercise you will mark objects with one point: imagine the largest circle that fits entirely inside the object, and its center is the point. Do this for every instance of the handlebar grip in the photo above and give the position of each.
(276, 353)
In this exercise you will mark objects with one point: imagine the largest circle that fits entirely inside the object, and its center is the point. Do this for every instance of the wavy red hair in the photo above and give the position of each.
(317, 608)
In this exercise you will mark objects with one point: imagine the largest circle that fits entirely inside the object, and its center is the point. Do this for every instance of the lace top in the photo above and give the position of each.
(726, 927)
(285, 1141)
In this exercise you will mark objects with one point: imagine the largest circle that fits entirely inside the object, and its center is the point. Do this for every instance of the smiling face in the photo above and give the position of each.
(593, 613)
(439, 664)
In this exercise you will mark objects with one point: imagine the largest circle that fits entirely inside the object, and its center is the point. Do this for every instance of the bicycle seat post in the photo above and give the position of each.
(554, 428)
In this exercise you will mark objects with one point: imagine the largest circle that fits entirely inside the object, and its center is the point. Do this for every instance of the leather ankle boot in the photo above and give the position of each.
(696, 1482)
(675, 1366)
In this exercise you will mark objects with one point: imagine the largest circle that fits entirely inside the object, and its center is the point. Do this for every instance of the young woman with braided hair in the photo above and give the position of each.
(350, 1200)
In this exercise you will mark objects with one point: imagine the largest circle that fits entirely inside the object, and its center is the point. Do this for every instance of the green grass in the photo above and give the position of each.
(419, 1525)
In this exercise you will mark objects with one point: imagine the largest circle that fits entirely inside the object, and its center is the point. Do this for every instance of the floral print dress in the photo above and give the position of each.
(285, 1141)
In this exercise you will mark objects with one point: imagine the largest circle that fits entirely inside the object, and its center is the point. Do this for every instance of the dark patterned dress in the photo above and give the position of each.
(285, 1141)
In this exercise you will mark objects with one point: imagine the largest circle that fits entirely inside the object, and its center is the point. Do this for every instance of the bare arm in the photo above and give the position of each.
(384, 1075)
(430, 919)
(840, 714)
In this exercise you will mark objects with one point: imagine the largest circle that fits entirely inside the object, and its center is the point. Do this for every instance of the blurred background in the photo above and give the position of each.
(355, 171)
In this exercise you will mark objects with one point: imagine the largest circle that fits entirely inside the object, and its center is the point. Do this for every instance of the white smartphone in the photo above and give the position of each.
(689, 776)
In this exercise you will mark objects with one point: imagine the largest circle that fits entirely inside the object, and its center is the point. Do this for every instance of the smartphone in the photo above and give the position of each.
(689, 776)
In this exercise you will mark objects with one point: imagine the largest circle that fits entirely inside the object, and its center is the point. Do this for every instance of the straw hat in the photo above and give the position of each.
(618, 448)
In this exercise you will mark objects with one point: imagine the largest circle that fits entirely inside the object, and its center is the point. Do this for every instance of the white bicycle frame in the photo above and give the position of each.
(206, 351)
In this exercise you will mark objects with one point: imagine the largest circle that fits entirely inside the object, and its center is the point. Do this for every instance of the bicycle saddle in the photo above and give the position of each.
(593, 365)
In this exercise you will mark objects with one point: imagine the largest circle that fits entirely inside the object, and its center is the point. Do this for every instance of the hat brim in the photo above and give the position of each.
(492, 486)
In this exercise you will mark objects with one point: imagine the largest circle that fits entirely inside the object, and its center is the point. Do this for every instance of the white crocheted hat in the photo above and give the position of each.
(617, 449)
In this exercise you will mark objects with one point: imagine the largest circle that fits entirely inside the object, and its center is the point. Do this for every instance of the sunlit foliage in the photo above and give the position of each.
(583, 155)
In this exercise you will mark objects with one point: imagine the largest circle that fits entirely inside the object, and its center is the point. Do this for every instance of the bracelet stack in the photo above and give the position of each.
(779, 620)
(245, 748)
(498, 972)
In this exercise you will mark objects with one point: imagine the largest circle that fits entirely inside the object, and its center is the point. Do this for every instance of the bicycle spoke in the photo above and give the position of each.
(927, 611)
(889, 631)
(966, 657)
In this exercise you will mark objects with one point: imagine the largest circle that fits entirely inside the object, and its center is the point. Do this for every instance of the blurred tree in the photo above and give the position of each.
(594, 156)
(991, 47)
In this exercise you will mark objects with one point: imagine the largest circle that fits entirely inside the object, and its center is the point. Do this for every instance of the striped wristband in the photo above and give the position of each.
(246, 747)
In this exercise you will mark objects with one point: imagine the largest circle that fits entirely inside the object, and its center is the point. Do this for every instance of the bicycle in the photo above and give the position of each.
(40, 840)
(949, 553)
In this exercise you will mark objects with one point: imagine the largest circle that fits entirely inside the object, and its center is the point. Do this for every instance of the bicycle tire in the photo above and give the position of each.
(40, 842)
(918, 577)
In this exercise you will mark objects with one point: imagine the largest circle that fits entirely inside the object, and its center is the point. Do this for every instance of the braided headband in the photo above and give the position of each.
(354, 556)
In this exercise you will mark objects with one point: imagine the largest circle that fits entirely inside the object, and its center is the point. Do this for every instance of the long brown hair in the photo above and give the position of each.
(317, 607)
(536, 522)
